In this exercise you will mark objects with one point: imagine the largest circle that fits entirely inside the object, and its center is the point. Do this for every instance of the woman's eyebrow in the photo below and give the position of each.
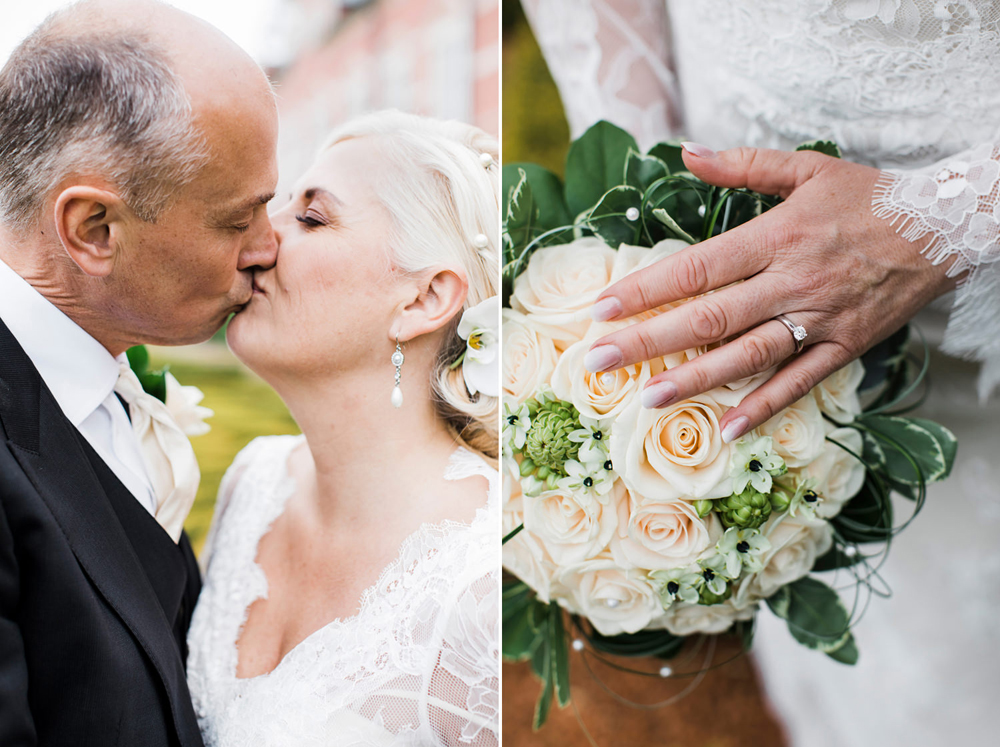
(323, 194)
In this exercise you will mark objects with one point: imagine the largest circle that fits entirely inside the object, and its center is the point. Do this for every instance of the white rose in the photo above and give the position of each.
(529, 356)
(837, 394)
(614, 600)
(838, 475)
(674, 452)
(798, 432)
(689, 619)
(572, 525)
(561, 284)
(183, 405)
(658, 535)
(634, 258)
(796, 544)
(601, 396)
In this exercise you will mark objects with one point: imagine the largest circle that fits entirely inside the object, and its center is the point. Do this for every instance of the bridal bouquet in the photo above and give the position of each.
(643, 524)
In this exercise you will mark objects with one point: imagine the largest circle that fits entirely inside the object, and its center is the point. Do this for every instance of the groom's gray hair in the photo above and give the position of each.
(76, 102)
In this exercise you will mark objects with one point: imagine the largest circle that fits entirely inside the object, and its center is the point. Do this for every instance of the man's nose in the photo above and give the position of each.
(262, 249)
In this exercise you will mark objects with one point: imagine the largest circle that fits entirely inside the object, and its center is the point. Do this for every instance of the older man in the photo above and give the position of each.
(137, 154)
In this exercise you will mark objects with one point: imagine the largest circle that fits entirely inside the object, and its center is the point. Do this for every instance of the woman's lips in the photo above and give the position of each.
(257, 288)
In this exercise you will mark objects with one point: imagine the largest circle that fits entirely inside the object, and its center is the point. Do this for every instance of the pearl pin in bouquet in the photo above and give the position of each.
(644, 526)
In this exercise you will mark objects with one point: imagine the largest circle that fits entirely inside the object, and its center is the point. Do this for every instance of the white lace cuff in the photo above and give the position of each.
(957, 200)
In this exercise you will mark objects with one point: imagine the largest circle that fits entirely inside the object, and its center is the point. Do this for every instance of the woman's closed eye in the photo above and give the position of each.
(310, 219)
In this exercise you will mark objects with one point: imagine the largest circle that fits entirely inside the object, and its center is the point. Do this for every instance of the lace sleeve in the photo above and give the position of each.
(957, 201)
(611, 60)
(464, 691)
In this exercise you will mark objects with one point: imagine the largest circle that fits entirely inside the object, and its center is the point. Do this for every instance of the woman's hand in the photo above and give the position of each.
(820, 257)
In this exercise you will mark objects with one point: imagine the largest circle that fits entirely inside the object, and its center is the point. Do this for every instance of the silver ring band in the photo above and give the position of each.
(799, 333)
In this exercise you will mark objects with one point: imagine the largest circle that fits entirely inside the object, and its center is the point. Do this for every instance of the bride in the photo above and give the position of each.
(908, 87)
(351, 591)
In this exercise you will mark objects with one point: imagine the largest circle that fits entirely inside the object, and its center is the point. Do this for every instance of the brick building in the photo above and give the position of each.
(331, 60)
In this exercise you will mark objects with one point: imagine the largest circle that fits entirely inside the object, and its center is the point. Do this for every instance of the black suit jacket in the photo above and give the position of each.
(95, 598)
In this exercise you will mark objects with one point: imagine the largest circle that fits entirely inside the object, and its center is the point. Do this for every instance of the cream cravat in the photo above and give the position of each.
(166, 453)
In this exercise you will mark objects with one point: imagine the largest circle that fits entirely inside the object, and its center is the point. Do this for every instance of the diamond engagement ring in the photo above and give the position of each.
(799, 333)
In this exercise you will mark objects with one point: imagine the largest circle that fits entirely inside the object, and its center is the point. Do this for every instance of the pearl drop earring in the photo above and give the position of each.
(397, 361)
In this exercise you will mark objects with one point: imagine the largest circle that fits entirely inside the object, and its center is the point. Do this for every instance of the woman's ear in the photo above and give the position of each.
(441, 293)
(85, 219)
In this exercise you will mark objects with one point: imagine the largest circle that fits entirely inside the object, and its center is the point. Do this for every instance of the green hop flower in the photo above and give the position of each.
(547, 446)
(748, 509)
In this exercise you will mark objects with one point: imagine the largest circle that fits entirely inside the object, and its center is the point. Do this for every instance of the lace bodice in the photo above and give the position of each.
(902, 85)
(417, 665)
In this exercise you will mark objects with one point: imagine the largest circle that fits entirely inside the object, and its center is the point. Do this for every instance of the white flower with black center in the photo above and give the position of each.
(742, 548)
(588, 477)
(516, 422)
(593, 441)
(755, 464)
(676, 585)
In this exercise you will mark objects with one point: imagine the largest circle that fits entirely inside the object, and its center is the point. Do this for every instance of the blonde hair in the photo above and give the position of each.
(440, 197)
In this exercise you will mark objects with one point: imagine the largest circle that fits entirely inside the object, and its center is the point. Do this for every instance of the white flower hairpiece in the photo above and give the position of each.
(480, 328)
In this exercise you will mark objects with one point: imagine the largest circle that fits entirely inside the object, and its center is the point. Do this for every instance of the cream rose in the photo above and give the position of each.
(656, 535)
(838, 475)
(672, 453)
(614, 600)
(837, 394)
(529, 356)
(688, 619)
(630, 258)
(561, 284)
(572, 525)
(796, 543)
(798, 432)
(525, 557)
(601, 396)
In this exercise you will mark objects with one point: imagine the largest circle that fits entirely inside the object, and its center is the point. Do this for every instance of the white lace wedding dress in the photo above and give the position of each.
(417, 665)
(912, 87)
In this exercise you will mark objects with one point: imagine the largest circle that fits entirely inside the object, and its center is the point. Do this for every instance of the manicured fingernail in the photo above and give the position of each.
(602, 358)
(660, 394)
(734, 429)
(697, 149)
(606, 308)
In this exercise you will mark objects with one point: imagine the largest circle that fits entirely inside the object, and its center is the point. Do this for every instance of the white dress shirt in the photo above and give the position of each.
(81, 374)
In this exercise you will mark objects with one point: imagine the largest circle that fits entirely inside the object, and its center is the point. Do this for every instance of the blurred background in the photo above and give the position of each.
(329, 60)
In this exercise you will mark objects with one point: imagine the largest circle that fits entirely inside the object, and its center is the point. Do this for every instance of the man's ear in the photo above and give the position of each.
(441, 294)
(87, 222)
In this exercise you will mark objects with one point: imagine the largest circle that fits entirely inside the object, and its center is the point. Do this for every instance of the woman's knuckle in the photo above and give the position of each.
(691, 274)
(708, 321)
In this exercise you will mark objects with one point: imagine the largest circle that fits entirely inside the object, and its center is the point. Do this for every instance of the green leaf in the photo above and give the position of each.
(641, 171)
(671, 154)
(847, 653)
(836, 558)
(560, 656)
(779, 601)
(642, 644)
(595, 164)
(664, 217)
(608, 220)
(885, 358)
(867, 517)
(930, 445)
(816, 616)
(827, 147)
(520, 223)
(546, 190)
(541, 663)
(138, 359)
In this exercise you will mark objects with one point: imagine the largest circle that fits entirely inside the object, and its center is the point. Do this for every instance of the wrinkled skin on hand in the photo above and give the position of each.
(820, 257)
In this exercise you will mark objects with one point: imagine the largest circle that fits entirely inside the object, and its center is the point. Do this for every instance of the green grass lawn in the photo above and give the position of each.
(245, 407)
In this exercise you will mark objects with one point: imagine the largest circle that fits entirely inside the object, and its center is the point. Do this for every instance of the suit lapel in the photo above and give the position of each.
(47, 446)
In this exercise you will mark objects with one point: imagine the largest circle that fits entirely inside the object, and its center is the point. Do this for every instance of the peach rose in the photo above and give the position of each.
(672, 453)
(837, 394)
(658, 535)
(529, 356)
(572, 525)
(614, 600)
(796, 543)
(798, 431)
(561, 284)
